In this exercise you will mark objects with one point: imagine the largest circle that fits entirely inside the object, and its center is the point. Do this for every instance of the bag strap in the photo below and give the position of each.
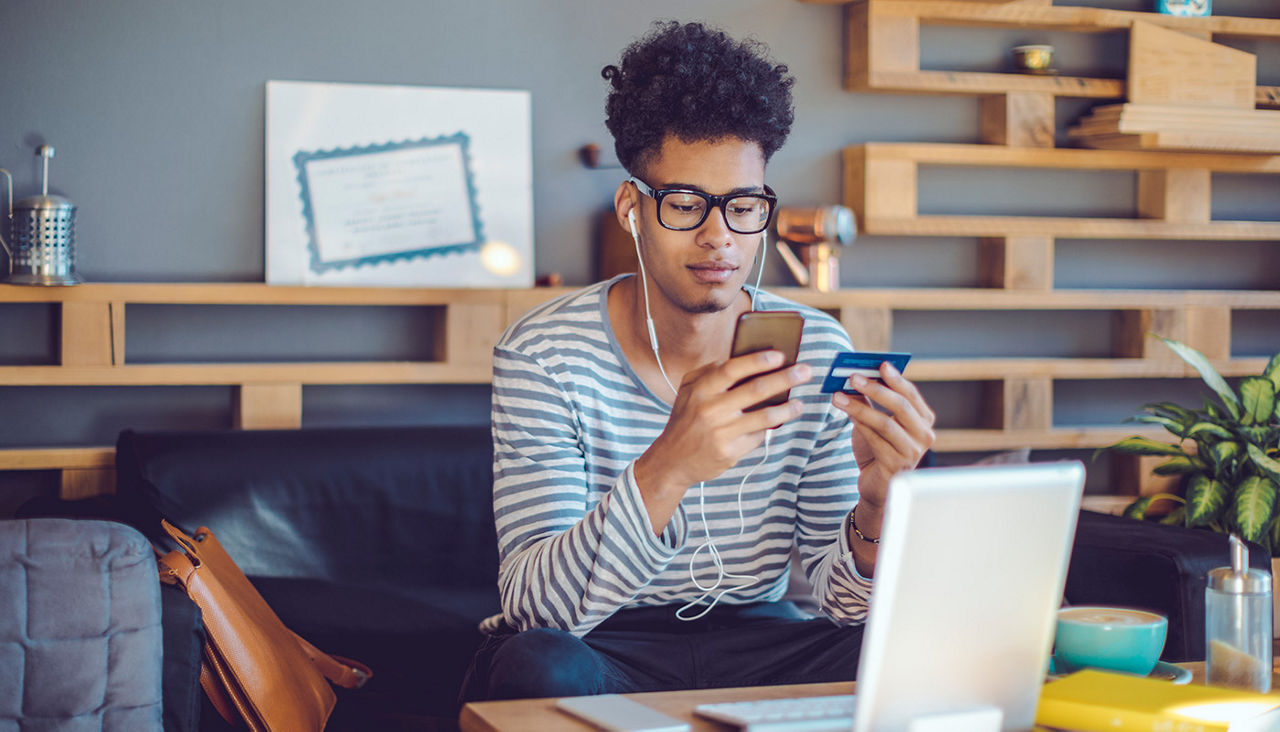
(344, 672)
(178, 566)
(218, 695)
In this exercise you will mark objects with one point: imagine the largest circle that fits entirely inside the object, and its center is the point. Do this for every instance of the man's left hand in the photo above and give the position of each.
(888, 442)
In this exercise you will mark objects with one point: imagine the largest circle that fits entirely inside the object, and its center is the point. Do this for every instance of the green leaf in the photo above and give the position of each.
(1255, 503)
(1173, 411)
(1257, 435)
(1176, 517)
(1208, 373)
(1224, 453)
(1267, 465)
(1272, 372)
(1216, 412)
(1180, 465)
(1258, 399)
(1138, 509)
(1173, 425)
(1204, 430)
(1205, 499)
(1144, 446)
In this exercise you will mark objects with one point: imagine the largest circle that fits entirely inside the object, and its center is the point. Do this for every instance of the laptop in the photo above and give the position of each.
(971, 570)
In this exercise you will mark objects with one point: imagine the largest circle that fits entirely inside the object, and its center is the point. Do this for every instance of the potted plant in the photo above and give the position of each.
(1228, 452)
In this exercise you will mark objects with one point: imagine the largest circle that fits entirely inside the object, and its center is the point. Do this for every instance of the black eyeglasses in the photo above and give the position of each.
(683, 210)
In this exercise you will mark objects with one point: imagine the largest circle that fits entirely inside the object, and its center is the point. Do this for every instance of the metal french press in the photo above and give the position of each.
(42, 235)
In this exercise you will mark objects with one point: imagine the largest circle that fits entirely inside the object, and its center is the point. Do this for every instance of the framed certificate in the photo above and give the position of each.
(409, 186)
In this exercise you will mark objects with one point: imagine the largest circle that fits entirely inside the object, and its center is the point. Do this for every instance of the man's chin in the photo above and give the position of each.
(717, 300)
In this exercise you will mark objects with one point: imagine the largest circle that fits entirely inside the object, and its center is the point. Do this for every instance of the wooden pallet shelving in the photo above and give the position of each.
(269, 395)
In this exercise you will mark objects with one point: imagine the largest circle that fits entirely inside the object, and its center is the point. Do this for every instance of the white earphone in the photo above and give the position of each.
(709, 544)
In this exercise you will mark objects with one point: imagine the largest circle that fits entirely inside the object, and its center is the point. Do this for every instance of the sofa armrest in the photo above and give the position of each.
(1121, 561)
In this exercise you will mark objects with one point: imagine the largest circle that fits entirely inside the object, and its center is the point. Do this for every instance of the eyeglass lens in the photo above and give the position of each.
(745, 214)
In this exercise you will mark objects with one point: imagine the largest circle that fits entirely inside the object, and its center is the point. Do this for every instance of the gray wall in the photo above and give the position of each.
(155, 108)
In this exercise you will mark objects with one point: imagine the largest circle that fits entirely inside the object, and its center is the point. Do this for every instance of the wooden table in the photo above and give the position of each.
(538, 715)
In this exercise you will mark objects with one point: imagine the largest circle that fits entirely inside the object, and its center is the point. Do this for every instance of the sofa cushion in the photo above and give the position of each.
(80, 636)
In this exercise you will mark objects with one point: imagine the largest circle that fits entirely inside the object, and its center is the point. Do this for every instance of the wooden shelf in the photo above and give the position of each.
(1061, 438)
(883, 44)
(881, 180)
(57, 458)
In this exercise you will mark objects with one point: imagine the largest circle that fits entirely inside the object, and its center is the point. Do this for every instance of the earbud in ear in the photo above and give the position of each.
(631, 219)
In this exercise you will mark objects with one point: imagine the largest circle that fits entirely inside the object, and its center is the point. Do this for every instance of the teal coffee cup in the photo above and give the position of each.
(1110, 638)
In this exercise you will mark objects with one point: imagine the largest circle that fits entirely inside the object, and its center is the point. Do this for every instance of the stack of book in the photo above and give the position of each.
(1096, 701)
(1165, 127)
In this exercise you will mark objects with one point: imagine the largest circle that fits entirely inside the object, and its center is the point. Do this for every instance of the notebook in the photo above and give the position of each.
(969, 576)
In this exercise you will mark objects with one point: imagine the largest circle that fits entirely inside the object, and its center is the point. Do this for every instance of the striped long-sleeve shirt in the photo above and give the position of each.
(570, 417)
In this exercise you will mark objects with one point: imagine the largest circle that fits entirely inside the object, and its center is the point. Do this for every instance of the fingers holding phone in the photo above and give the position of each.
(723, 409)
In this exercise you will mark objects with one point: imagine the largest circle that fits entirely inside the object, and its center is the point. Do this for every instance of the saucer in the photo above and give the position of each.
(1163, 671)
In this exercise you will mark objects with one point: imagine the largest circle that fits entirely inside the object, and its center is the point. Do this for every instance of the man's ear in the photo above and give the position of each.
(625, 201)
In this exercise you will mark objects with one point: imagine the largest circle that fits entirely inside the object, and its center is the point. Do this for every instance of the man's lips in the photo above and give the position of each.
(712, 272)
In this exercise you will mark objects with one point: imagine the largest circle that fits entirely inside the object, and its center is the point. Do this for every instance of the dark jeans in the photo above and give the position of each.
(649, 649)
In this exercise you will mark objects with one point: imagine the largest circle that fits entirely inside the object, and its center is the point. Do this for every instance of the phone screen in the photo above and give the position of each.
(779, 330)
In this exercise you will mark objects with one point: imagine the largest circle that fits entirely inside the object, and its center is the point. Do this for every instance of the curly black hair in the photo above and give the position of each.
(696, 83)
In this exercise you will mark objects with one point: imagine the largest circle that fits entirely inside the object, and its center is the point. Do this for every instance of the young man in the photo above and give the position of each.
(628, 506)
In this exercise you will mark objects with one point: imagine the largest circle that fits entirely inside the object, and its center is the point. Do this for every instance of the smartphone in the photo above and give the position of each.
(779, 330)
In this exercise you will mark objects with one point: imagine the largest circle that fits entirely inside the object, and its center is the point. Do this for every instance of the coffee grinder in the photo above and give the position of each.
(816, 232)
(41, 234)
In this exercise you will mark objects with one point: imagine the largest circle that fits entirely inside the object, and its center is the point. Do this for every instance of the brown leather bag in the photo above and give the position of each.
(254, 668)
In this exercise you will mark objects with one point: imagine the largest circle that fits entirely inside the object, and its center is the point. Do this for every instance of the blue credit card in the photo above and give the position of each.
(866, 363)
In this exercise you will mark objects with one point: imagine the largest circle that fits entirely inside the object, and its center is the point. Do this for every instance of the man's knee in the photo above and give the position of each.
(544, 662)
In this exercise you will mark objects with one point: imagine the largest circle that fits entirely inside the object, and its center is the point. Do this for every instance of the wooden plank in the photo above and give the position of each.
(997, 156)
(471, 332)
(1019, 404)
(894, 43)
(1068, 18)
(1169, 67)
(1018, 119)
(337, 372)
(268, 407)
(237, 293)
(52, 458)
(117, 310)
(1181, 195)
(1132, 476)
(76, 484)
(86, 334)
(985, 82)
(1059, 438)
(863, 329)
(870, 329)
(1209, 331)
(894, 191)
(857, 34)
(1066, 228)
(1016, 262)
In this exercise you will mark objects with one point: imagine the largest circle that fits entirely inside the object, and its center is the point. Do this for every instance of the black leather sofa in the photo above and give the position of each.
(378, 544)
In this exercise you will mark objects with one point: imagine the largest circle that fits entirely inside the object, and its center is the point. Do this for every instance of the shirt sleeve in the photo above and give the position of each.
(827, 491)
(562, 565)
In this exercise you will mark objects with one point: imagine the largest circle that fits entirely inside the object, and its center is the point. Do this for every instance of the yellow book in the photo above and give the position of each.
(1095, 700)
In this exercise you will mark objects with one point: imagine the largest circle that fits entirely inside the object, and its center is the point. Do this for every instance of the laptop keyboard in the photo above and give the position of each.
(811, 714)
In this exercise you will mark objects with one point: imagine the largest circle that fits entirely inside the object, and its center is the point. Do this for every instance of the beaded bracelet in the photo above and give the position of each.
(854, 524)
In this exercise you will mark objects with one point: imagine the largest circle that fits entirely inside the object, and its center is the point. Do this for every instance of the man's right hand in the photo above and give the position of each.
(709, 431)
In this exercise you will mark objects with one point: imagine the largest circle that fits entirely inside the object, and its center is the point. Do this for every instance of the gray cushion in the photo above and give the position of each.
(80, 640)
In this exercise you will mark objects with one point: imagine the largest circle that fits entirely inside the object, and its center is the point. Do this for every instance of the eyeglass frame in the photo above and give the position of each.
(713, 202)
